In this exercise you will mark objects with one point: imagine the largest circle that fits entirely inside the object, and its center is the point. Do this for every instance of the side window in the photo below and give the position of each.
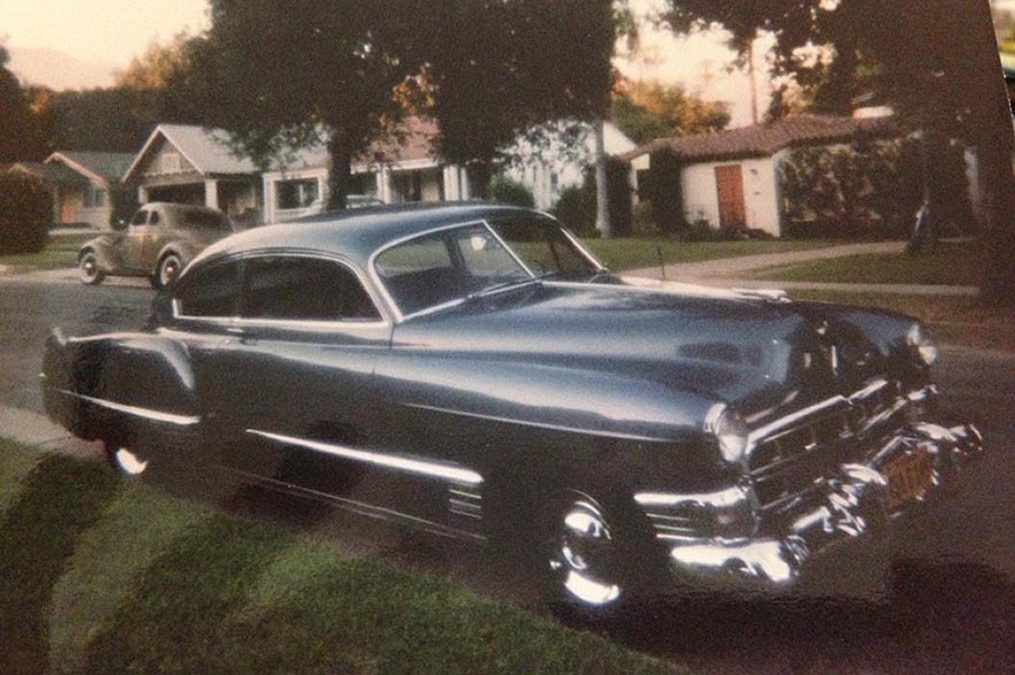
(140, 217)
(211, 291)
(154, 220)
(303, 288)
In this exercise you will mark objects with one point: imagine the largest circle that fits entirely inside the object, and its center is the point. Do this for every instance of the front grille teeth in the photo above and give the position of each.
(465, 501)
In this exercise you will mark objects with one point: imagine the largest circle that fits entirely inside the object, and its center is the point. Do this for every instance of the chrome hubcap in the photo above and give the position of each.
(169, 268)
(129, 462)
(582, 555)
(88, 267)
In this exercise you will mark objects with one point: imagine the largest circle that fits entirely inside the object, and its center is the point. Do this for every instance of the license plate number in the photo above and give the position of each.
(908, 476)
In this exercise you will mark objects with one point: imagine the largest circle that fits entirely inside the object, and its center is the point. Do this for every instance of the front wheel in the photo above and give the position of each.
(128, 461)
(582, 556)
(88, 269)
(167, 270)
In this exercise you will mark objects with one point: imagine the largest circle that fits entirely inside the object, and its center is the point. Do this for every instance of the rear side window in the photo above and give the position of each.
(212, 291)
(303, 288)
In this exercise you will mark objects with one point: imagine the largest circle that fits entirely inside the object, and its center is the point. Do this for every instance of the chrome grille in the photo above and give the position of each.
(465, 501)
(797, 453)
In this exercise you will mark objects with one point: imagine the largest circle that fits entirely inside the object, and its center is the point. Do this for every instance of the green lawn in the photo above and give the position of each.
(960, 321)
(950, 263)
(630, 253)
(101, 577)
(59, 252)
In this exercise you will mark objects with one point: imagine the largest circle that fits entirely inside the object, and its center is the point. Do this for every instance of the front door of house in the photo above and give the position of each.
(729, 182)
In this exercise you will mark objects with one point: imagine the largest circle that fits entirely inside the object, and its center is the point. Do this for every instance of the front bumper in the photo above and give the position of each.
(841, 516)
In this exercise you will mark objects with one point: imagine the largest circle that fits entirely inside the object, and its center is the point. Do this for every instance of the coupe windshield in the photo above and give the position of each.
(545, 248)
(446, 266)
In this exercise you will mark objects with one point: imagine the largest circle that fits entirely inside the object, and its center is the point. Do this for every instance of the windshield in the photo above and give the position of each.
(446, 266)
(545, 248)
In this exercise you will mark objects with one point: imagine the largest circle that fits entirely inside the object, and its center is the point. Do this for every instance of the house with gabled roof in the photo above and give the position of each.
(189, 164)
(730, 178)
(80, 183)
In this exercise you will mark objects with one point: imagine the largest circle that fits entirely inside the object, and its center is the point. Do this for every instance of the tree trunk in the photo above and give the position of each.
(603, 223)
(340, 175)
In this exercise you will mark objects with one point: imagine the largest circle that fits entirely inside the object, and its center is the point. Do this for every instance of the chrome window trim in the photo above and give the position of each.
(311, 325)
(441, 470)
(137, 411)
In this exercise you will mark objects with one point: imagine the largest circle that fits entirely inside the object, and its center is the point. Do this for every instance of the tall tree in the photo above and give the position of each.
(22, 131)
(647, 109)
(500, 68)
(938, 66)
(280, 75)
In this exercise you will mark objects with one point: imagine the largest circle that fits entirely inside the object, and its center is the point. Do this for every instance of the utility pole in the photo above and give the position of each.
(753, 84)
(603, 223)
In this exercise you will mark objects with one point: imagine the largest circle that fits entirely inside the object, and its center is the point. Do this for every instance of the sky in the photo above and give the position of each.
(79, 43)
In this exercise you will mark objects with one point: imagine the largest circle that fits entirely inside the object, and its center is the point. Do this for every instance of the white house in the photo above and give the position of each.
(546, 168)
(731, 177)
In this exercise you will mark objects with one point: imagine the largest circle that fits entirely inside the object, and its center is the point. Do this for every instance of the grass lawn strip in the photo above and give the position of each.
(58, 252)
(143, 521)
(60, 499)
(15, 464)
(166, 585)
(636, 253)
(950, 264)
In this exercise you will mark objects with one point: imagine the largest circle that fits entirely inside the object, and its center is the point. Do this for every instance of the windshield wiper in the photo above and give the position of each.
(503, 285)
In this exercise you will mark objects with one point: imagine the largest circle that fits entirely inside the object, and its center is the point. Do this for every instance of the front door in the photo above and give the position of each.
(140, 240)
(729, 182)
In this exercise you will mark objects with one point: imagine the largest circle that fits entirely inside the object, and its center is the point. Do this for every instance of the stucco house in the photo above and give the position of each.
(80, 184)
(193, 165)
(731, 177)
(558, 163)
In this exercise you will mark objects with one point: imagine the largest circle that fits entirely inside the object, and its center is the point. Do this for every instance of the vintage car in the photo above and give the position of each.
(157, 242)
(473, 371)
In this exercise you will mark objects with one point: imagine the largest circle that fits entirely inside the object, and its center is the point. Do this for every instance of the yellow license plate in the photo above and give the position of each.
(909, 476)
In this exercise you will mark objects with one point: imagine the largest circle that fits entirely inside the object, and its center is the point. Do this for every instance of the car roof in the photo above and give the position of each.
(358, 233)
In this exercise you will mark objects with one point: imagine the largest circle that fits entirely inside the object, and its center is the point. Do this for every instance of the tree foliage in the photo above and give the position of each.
(936, 64)
(158, 66)
(646, 110)
(22, 130)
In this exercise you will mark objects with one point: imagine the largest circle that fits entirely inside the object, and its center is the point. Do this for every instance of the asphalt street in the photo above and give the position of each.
(951, 606)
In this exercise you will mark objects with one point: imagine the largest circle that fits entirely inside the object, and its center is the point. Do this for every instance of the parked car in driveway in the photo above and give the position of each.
(473, 371)
(156, 243)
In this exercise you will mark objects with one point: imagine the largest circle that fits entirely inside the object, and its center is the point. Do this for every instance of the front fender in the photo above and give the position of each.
(107, 251)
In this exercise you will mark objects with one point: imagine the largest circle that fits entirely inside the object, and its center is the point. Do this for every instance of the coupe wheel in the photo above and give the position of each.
(582, 556)
(167, 270)
(128, 460)
(88, 269)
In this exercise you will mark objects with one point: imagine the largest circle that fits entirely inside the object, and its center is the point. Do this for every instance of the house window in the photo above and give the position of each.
(94, 197)
(296, 193)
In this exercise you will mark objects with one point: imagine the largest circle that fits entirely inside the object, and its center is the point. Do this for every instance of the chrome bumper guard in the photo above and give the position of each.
(849, 510)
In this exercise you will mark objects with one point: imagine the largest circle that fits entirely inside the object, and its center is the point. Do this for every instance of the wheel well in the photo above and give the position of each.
(83, 252)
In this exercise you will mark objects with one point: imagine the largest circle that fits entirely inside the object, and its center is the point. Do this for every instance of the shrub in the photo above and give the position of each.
(576, 208)
(504, 190)
(26, 212)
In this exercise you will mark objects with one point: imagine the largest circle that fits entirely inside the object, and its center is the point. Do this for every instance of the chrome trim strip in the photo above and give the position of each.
(719, 499)
(868, 391)
(542, 425)
(361, 508)
(467, 495)
(432, 469)
(137, 411)
(793, 418)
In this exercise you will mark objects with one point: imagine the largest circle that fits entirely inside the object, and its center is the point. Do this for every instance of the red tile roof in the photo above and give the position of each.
(763, 140)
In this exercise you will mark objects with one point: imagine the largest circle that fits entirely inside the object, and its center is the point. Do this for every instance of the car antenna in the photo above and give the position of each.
(662, 267)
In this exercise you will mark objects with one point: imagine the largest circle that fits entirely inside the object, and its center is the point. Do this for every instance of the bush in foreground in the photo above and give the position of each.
(26, 211)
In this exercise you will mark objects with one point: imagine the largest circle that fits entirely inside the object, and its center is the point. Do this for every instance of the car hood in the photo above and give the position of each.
(755, 354)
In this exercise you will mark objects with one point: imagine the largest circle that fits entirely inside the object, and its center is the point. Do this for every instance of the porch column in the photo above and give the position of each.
(211, 193)
(463, 184)
(142, 195)
(383, 177)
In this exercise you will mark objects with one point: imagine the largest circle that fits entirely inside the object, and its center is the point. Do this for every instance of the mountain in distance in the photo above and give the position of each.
(58, 70)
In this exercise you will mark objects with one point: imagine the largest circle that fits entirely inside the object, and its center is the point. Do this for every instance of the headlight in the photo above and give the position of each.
(922, 345)
(729, 430)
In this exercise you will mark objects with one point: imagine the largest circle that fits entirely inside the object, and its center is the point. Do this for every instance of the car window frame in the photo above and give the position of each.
(314, 325)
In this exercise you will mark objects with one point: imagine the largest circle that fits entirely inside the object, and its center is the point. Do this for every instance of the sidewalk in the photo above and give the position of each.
(734, 272)
(31, 428)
